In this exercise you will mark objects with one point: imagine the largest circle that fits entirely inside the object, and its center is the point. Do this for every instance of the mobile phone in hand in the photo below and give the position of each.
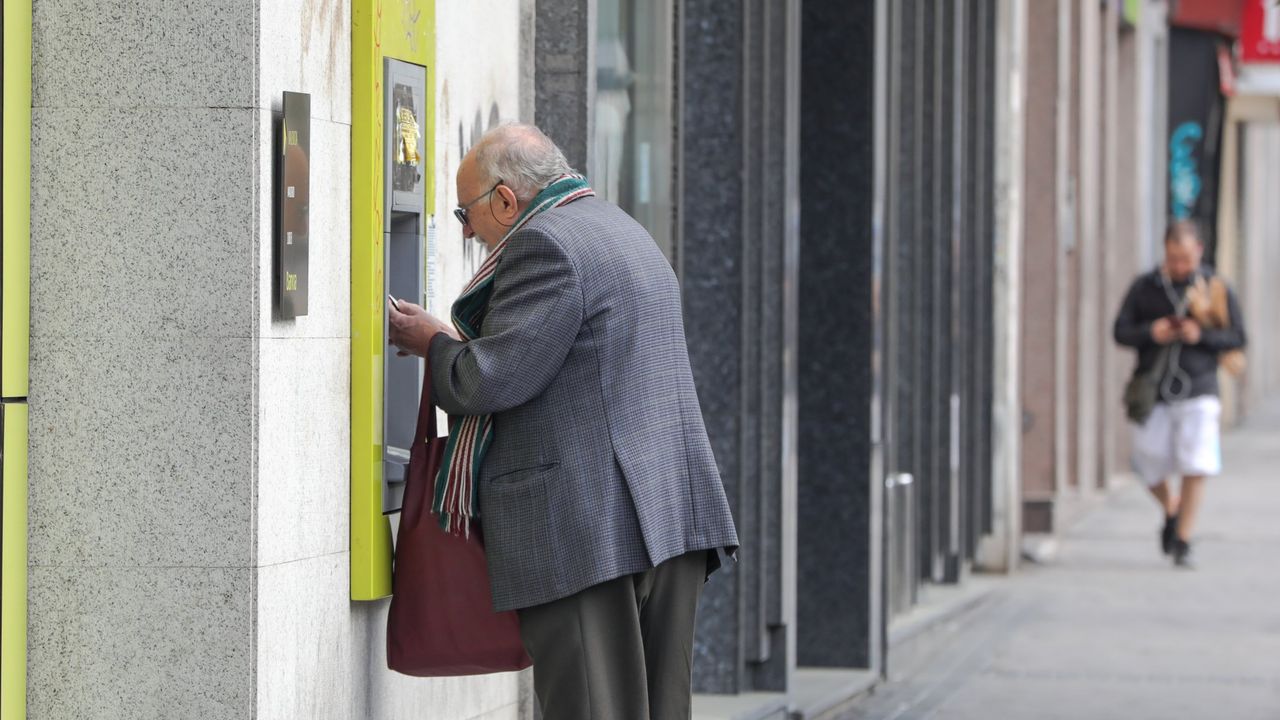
(394, 303)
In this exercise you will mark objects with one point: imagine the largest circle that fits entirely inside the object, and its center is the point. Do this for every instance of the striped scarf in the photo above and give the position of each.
(456, 500)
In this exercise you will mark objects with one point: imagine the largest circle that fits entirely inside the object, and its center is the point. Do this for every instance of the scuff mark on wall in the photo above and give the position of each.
(328, 19)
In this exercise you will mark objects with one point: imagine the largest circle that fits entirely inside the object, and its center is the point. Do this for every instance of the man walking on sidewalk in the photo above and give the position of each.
(1178, 354)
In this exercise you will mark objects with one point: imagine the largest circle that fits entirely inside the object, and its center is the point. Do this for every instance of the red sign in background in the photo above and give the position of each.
(1260, 32)
(1220, 16)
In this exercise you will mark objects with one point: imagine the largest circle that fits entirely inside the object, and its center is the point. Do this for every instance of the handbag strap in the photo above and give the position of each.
(425, 431)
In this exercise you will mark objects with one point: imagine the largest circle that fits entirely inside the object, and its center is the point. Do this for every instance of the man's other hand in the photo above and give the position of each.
(411, 328)
(1163, 331)
(1189, 331)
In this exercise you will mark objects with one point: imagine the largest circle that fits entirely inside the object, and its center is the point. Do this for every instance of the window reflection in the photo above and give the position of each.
(631, 162)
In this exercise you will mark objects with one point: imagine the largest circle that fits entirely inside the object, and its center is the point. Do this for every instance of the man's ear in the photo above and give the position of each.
(509, 203)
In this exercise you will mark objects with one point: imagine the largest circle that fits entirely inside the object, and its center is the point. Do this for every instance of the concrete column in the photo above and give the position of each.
(1153, 121)
(1089, 241)
(1017, 152)
(1125, 230)
(1118, 255)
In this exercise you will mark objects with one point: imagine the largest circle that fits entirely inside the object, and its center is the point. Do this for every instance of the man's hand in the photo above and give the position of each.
(1189, 331)
(1163, 331)
(411, 328)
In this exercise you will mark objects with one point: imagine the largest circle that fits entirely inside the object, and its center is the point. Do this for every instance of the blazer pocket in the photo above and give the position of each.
(519, 475)
(516, 518)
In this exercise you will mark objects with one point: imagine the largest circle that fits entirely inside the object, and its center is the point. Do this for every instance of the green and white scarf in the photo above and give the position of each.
(456, 498)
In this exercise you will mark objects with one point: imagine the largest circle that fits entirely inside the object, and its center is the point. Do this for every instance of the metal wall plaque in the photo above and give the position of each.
(293, 187)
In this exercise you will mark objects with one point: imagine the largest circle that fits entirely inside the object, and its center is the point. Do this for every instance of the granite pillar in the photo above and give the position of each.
(565, 76)
(710, 260)
(837, 587)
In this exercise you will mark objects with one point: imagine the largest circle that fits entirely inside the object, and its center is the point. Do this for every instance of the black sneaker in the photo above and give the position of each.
(1169, 534)
(1182, 554)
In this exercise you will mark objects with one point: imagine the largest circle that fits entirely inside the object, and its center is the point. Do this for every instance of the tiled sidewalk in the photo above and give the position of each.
(1111, 630)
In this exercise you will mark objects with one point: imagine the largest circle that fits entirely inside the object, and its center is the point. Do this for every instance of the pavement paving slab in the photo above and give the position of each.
(1111, 629)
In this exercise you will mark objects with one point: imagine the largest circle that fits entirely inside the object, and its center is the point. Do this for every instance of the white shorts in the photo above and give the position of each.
(1180, 438)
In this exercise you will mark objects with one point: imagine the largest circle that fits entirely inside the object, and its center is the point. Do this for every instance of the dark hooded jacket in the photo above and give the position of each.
(1148, 300)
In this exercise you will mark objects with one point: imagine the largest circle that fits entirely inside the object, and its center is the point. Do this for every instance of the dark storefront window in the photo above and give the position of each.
(631, 163)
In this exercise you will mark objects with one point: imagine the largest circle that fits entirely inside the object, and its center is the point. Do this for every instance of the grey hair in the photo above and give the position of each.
(521, 156)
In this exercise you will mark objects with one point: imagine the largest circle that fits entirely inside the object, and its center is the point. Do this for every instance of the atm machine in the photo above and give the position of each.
(391, 201)
(15, 304)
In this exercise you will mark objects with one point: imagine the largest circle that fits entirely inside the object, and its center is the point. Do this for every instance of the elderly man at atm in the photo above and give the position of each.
(602, 507)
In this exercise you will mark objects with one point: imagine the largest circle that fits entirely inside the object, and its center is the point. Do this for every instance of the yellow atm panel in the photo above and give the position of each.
(392, 176)
(15, 312)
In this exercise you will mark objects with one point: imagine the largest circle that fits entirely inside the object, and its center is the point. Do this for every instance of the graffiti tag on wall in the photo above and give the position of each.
(473, 251)
(1184, 173)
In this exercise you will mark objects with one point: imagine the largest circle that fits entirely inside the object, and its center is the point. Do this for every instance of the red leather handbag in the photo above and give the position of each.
(441, 622)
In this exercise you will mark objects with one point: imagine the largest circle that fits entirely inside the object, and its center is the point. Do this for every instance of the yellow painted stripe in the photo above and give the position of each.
(15, 244)
(13, 577)
(15, 316)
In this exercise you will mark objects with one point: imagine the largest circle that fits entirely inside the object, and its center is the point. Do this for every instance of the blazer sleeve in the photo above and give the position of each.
(1231, 337)
(535, 314)
(1131, 330)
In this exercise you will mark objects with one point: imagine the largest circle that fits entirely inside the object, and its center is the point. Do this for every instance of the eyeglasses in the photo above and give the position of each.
(460, 212)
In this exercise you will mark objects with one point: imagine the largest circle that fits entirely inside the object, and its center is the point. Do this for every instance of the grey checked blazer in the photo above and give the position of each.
(600, 466)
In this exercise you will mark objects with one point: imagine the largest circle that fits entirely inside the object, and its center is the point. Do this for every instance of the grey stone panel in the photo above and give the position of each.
(835, 377)
(144, 53)
(711, 255)
(139, 448)
(137, 232)
(98, 648)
